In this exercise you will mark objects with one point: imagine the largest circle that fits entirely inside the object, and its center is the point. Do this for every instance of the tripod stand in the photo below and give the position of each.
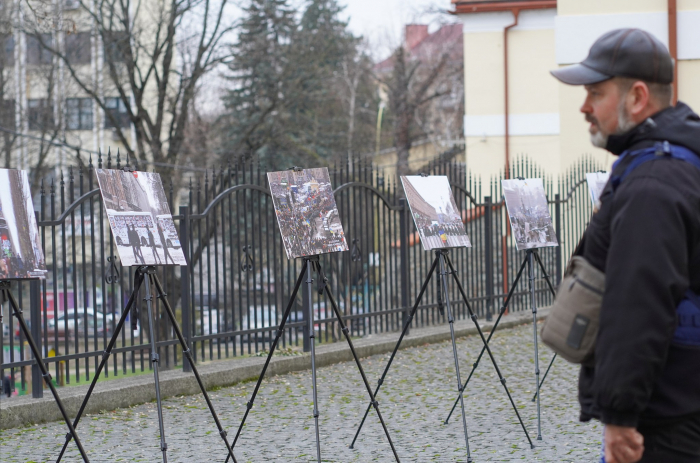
(147, 275)
(6, 294)
(528, 261)
(312, 264)
(442, 260)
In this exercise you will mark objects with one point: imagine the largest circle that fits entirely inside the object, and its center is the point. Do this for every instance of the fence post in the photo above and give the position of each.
(557, 224)
(306, 310)
(488, 251)
(185, 297)
(403, 230)
(35, 328)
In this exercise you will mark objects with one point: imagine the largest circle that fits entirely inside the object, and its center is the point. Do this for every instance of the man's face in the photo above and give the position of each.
(603, 110)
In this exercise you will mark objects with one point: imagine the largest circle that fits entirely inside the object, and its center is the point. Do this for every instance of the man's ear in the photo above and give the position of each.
(638, 99)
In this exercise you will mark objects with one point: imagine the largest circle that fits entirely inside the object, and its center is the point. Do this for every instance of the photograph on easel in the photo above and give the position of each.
(21, 255)
(140, 218)
(306, 212)
(596, 182)
(435, 212)
(529, 214)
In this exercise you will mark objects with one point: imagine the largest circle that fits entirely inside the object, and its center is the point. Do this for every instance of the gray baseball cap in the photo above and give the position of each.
(632, 53)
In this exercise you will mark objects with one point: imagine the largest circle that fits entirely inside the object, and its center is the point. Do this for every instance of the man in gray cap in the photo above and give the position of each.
(644, 379)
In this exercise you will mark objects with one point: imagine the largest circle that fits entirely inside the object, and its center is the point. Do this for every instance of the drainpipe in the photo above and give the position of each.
(504, 242)
(673, 44)
(515, 11)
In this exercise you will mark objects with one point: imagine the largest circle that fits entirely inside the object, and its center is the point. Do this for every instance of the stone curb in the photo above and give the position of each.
(110, 395)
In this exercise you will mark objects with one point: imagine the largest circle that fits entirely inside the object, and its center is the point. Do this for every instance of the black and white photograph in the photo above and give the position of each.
(435, 212)
(306, 212)
(529, 214)
(21, 255)
(140, 218)
(596, 182)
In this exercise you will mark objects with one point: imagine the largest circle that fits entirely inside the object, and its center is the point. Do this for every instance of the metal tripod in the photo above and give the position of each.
(147, 275)
(6, 294)
(527, 261)
(443, 261)
(312, 264)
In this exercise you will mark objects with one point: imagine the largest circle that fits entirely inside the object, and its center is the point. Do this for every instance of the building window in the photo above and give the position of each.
(40, 112)
(36, 49)
(71, 4)
(116, 46)
(78, 48)
(7, 114)
(117, 108)
(79, 114)
(7, 50)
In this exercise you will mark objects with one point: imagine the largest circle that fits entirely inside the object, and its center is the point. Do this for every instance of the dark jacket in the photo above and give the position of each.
(646, 238)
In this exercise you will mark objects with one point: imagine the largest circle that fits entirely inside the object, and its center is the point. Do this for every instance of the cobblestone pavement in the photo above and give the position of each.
(415, 400)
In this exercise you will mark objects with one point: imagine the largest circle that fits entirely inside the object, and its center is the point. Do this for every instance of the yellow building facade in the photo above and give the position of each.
(509, 49)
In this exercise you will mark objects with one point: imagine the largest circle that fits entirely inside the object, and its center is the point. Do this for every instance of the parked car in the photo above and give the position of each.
(88, 321)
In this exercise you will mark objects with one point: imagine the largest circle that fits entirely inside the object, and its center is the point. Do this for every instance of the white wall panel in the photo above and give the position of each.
(519, 125)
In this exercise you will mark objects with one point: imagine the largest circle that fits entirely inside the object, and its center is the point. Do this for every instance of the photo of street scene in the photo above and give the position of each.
(21, 255)
(435, 212)
(529, 215)
(596, 182)
(306, 212)
(140, 218)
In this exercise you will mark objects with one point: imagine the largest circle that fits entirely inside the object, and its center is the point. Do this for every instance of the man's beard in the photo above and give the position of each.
(624, 124)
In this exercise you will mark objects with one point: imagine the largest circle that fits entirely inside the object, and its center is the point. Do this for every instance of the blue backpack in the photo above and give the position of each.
(688, 330)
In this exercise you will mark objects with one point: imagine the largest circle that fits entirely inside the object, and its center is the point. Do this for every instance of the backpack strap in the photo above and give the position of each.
(660, 150)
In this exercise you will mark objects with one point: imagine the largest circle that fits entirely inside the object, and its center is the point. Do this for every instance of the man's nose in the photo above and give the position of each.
(586, 108)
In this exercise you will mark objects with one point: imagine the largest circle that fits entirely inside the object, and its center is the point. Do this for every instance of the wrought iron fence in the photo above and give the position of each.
(230, 297)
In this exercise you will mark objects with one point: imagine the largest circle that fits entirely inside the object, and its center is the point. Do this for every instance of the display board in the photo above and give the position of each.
(21, 256)
(596, 182)
(140, 218)
(306, 212)
(529, 215)
(435, 212)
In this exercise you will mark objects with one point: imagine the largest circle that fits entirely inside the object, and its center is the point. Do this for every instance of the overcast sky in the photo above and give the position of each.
(382, 21)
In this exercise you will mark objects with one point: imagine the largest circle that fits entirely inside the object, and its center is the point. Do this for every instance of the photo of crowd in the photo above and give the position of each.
(435, 212)
(529, 214)
(140, 218)
(596, 182)
(21, 255)
(306, 212)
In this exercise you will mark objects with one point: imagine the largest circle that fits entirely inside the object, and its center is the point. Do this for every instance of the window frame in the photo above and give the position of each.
(84, 107)
(37, 54)
(122, 116)
(40, 117)
(78, 53)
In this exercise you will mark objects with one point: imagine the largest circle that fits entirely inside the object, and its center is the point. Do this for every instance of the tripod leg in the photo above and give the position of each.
(272, 351)
(105, 358)
(544, 272)
(17, 312)
(451, 320)
(554, 293)
(155, 360)
(493, 330)
(396, 348)
(312, 336)
(531, 275)
(346, 332)
(554, 357)
(487, 347)
(188, 354)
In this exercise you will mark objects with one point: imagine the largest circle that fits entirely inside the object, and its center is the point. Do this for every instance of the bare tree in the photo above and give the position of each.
(154, 56)
(409, 91)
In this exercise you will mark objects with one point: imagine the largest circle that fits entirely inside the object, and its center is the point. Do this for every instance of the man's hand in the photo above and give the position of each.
(622, 444)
